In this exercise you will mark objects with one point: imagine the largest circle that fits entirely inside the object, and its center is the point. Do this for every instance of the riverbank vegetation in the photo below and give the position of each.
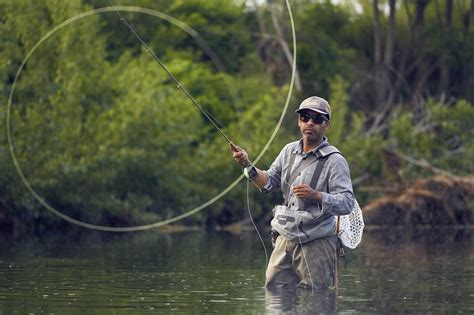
(102, 134)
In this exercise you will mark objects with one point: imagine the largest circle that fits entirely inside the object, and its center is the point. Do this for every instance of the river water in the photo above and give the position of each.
(393, 271)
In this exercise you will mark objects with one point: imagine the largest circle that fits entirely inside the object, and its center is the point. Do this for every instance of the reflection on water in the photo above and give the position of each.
(300, 301)
(410, 270)
(196, 272)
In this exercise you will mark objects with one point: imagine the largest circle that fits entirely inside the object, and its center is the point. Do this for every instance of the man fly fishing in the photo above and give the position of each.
(317, 187)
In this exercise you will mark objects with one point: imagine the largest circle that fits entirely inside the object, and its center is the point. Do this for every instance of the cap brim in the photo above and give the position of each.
(311, 109)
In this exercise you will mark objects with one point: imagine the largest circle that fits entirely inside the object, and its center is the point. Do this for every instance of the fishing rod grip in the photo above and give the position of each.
(234, 148)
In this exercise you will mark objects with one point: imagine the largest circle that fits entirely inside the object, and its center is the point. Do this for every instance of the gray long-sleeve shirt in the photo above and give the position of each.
(334, 184)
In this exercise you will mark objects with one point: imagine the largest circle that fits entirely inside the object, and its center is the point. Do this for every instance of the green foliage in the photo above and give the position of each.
(339, 108)
(443, 136)
(321, 54)
(112, 140)
(347, 132)
(102, 133)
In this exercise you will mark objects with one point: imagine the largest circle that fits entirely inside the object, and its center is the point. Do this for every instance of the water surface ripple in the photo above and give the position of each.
(216, 273)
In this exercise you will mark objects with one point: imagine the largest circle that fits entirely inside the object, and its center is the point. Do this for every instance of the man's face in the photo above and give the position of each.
(312, 125)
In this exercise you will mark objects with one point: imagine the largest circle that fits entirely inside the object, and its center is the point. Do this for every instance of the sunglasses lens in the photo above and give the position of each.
(304, 118)
(317, 119)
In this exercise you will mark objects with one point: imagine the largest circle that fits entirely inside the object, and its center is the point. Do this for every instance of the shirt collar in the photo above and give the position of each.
(299, 148)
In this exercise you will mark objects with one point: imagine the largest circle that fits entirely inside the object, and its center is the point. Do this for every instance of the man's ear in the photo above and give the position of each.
(328, 124)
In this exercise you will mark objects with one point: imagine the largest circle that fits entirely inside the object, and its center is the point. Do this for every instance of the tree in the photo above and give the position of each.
(383, 62)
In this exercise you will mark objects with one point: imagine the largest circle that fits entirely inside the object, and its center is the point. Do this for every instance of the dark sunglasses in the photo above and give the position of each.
(317, 119)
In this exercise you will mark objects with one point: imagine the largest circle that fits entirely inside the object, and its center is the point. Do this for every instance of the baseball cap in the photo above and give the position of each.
(315, 104)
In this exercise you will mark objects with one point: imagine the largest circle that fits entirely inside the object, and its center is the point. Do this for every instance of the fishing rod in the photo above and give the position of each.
(209, 117)
(178, 84)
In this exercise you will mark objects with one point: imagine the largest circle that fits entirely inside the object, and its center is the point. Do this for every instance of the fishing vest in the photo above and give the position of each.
(301, 225)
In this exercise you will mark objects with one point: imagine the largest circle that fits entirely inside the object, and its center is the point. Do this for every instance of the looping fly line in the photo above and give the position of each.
(193, 34)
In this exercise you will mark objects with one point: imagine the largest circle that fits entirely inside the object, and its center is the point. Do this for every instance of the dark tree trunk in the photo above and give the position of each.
(384, 92)
(284, 45)
(419, 43)
(389, 51)
(467, 19)
(444, 62)
(378, 65)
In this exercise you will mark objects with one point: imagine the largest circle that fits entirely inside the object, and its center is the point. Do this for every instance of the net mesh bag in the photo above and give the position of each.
(351, 227)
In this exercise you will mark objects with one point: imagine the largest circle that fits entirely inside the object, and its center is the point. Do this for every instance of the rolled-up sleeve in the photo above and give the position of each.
(340, 199)
(274, 172)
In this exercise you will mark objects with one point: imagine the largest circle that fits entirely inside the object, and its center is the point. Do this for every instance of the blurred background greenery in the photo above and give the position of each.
(103, 134)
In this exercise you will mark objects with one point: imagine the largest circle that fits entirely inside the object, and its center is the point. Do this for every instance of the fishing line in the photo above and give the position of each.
(178, 84)
(206, 114)
(263, 243)
(255, 226)
(301, 245)
(201, 42)
(303, 254)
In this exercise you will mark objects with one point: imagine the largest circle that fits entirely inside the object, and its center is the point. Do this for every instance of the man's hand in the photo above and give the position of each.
(306, 192)
(239, 155)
